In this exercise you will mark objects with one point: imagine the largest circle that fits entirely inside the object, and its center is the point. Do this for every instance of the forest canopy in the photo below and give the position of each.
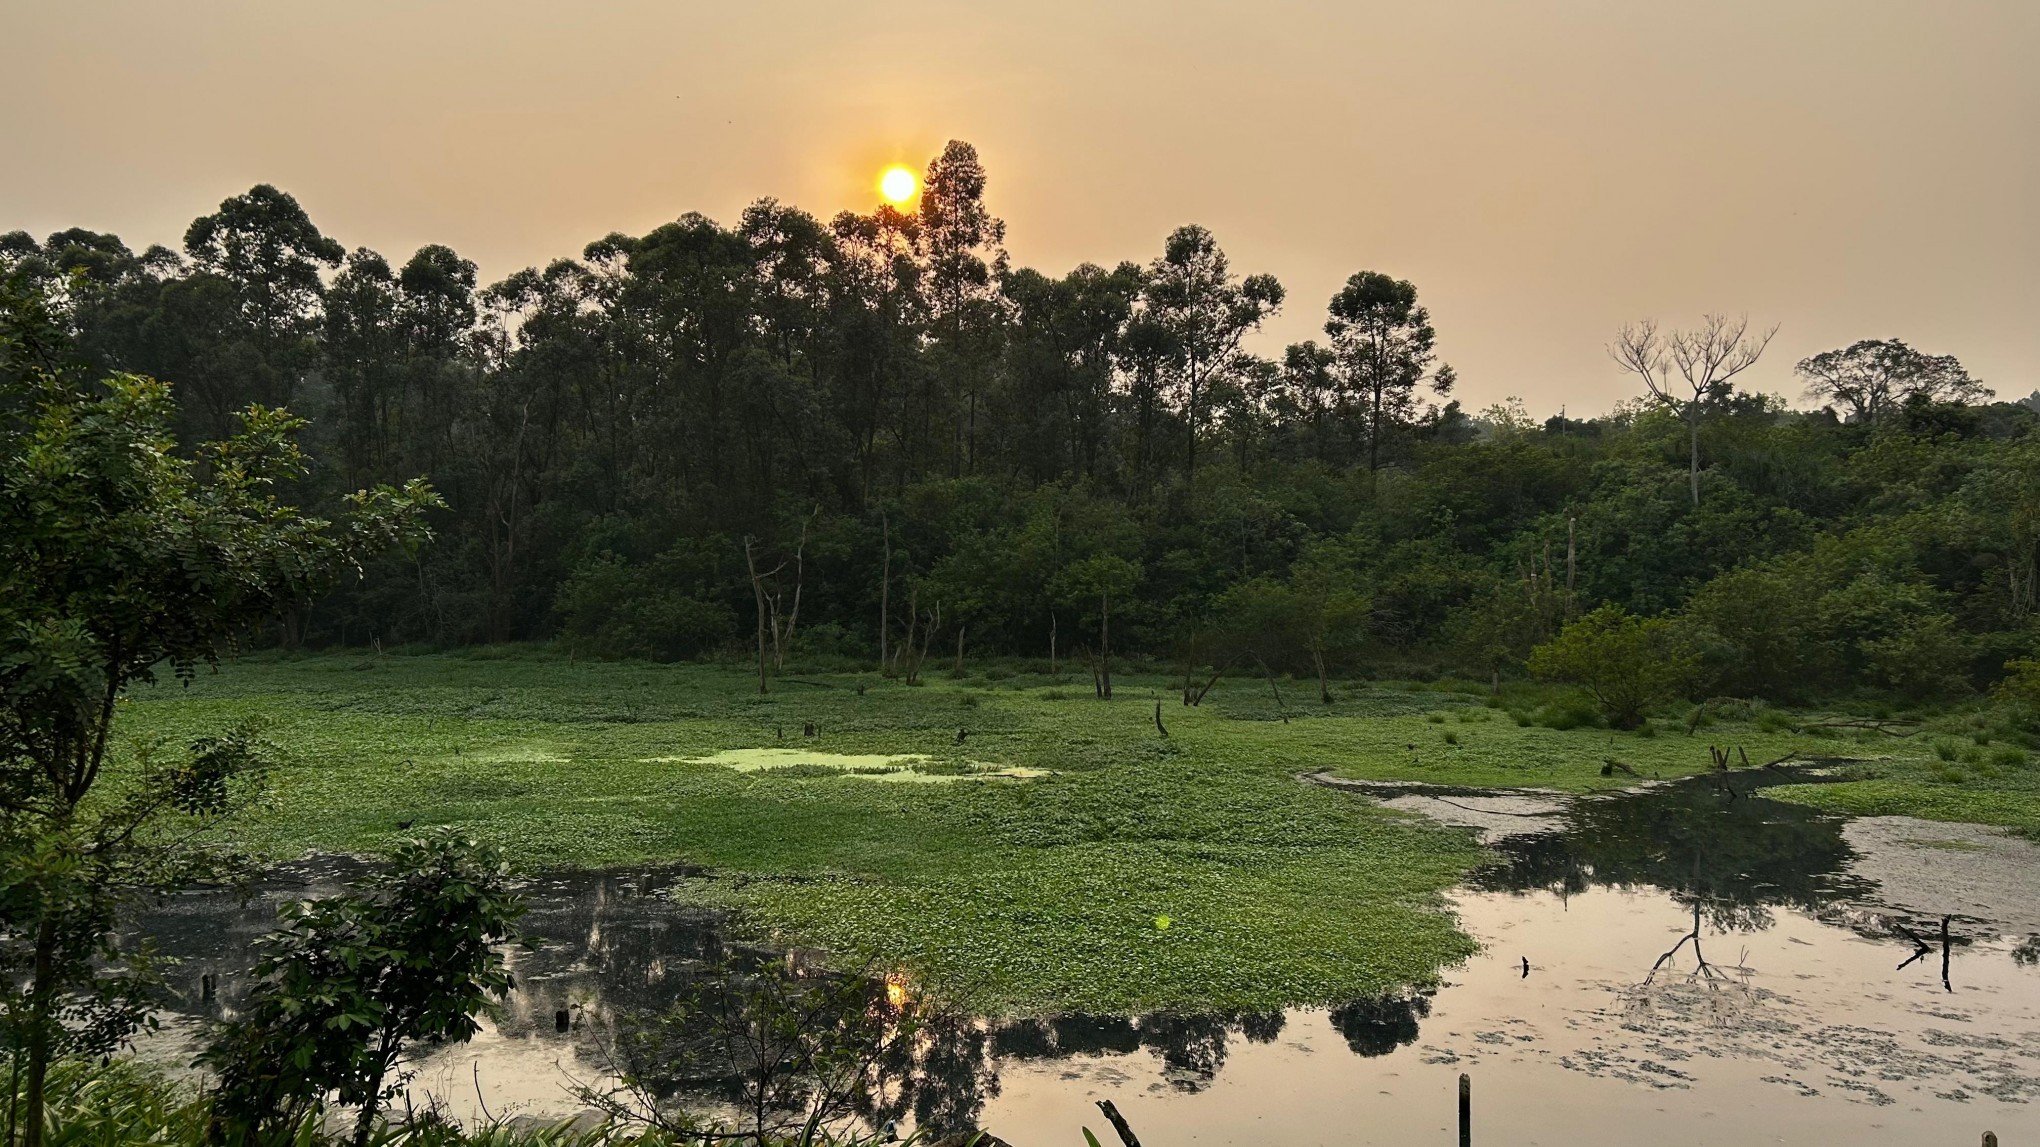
(878, 436)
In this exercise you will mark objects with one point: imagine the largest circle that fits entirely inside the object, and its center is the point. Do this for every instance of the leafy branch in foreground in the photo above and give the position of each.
(118, 555)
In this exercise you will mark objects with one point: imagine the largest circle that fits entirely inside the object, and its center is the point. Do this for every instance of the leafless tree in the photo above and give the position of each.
(1688, 372)
(778, 604)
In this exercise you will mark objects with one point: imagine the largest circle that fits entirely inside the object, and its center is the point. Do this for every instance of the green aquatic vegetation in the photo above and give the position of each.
(1031, 884)
(1945, 780)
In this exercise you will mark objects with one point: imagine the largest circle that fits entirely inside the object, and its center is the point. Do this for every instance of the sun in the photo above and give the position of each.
(898, 184)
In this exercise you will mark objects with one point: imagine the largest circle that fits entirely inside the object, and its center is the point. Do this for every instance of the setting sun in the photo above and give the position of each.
(898, 184)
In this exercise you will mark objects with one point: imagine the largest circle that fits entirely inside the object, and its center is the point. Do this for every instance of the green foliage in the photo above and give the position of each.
(120, 555)
(662, 611)
(347, 984)
(1629, 664)
(606, 428)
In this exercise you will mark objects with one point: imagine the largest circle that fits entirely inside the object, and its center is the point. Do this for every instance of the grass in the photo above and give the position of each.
(1032, 891)
(1997, 795)
(1013, 894)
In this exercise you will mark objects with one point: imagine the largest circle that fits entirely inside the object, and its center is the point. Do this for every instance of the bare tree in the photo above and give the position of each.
(1688, 372)
(778, 614)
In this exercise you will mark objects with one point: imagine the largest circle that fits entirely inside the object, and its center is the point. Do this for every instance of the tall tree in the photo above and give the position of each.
(1206, 311)
(1870, 377)
(961, 243)
(255, 292)
(1383, 341)
(1689, 372)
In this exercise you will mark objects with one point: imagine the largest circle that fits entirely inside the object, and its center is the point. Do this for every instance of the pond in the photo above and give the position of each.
(1687, 963)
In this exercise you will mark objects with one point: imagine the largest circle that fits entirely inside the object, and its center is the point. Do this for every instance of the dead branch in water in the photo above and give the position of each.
(1119, 1124)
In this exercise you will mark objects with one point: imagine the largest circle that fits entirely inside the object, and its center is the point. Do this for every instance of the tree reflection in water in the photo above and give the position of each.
(614, 949)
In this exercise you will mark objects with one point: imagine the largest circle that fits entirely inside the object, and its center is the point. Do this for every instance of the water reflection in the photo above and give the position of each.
(612, 950)
(1734, 853)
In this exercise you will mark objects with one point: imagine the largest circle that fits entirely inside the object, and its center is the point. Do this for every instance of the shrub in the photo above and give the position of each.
(609, 608)
(1629, 664)
(348, 983)
(1571, 712)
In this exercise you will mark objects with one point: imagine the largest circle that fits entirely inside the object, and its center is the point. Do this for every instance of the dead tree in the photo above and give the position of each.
(1688, 372)
(778, 613)
(920, 635)
(758, 594)
(1705, 969)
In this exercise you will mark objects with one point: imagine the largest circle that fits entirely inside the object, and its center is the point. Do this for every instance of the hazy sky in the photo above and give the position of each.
(1542, 171)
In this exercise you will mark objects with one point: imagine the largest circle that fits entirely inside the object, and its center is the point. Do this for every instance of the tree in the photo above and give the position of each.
(1689, 372)
(960, 241)
(1206, 312)
(1873, 376)
(349, 983)
(119, 555)
(1628, 663)
(265, 256)
(1099, 578)
(1383, 343)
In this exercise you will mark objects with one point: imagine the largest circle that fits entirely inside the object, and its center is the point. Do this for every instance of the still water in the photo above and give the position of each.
(1688, 964)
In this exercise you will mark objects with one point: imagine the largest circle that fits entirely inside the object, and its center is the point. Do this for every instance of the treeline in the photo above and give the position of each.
(873, 436)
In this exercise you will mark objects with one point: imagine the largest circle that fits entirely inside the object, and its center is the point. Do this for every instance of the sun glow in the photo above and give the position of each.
(898, 184)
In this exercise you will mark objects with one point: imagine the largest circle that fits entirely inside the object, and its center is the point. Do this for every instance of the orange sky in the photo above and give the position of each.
(1542, 171)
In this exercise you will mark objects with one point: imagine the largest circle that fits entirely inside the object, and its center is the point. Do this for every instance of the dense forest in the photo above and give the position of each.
(872, 437)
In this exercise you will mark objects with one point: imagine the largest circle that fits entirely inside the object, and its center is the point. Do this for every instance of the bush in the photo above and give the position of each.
(1630, 665)
(1574, 712)
(347, 983)
(610, 608)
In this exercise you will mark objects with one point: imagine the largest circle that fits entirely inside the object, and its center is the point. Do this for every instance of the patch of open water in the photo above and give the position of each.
(1800, 1025)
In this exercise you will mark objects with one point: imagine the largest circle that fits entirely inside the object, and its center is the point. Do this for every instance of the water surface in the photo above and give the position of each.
(1689, 964)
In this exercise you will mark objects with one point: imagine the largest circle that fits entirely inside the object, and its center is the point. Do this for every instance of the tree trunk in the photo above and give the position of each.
(1374, 433)
(884, 593)
(41, 1000)
(1051, 643)
(758, 595)
(1324, 688)
(364, 1124)
(959, 649)
(1693, 454)
(913, 622)
(1105, 645)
